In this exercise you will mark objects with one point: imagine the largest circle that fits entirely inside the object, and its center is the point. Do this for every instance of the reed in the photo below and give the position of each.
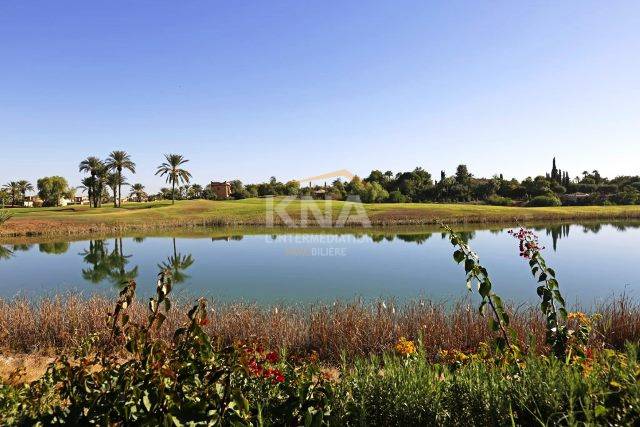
(353, 329)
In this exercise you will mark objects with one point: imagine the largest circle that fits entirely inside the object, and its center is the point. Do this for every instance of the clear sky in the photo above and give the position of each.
(297, 88)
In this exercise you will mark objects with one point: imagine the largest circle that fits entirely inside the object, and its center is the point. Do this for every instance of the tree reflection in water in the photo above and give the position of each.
(177, 263)
(54, 248)
(105, 265)
(5, 252)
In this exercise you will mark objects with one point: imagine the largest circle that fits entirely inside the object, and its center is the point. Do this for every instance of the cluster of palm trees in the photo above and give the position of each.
(109, 174)
(17, 190)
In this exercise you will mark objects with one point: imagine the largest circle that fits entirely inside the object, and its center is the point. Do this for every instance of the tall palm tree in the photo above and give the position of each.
(24, 187)
(115, 181)
(14, 189)
(137, 191)
(93, 166)
(117, 161)
(175, 174)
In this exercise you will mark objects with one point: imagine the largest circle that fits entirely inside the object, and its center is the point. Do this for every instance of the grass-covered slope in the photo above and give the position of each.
(158, 215)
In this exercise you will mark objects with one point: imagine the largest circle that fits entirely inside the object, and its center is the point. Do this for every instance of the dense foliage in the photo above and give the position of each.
(552, 189)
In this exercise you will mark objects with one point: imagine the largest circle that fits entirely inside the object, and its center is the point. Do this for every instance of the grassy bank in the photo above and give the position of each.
(132, 217)
(59, 324)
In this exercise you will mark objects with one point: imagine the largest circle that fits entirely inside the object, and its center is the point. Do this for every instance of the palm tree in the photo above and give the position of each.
(137, 190)
(88, 183)
(14, 189)
(115, 181)
(24, 187)
(195, 192)
(94, 166)
(4, 196)
(117, 161)
(175, 174)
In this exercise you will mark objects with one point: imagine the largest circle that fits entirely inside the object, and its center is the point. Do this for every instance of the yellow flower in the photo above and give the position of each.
(405, 347)
(579, 316)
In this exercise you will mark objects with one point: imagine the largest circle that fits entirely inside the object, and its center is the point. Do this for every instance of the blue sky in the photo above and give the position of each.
(296, 88)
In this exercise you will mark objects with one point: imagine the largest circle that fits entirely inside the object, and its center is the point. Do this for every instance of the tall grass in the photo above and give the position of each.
(354, 329)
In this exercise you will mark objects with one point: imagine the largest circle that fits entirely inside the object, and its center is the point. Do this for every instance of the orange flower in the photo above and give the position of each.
(405, 347)
(579, 316)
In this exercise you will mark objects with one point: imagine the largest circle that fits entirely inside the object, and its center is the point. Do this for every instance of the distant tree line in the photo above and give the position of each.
(107, 177)
(552, 189)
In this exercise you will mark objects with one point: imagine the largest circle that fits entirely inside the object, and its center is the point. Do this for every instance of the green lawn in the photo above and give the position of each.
(253, 212)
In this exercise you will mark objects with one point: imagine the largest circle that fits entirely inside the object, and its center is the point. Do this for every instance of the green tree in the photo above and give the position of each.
(13, 188)
(95, 167)
(53, 188)
(462, 175)
(118, 161)
(174, 172)
(137, 191)
(4, 196)
(292, 188)
(115, 181)
(24, 187)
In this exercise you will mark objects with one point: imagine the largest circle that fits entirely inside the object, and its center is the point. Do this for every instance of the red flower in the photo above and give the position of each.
(280, 378)
(272, 357)
(204, 321)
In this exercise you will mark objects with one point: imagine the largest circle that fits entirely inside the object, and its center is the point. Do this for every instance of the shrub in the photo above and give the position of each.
(542, 201)
(397, 197)
(468, 389)
(499, 201)
(188, 380)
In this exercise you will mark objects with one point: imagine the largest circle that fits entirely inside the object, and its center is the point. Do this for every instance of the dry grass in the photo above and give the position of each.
(59, 324)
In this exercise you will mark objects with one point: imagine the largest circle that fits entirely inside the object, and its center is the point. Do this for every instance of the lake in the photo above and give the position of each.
(593, 261)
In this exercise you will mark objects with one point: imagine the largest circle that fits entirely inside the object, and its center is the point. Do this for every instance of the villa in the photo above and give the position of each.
(222, 190)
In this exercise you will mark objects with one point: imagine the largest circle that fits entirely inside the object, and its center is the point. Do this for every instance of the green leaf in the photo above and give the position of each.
(481, 308)
(468, 265)
(146, 402)
(458, 256)
(505, 319)
(485, 288)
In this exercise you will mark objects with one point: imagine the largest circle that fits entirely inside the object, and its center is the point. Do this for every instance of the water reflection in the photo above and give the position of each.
(401, 262)
(107, 265)
(5, 252)
(177, 263)
(108, 261)
(54, 248)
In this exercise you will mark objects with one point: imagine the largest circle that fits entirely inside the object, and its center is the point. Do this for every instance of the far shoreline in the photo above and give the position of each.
(250, 214)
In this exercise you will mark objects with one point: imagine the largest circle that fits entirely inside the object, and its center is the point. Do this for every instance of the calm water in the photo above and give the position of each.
(592, 262)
